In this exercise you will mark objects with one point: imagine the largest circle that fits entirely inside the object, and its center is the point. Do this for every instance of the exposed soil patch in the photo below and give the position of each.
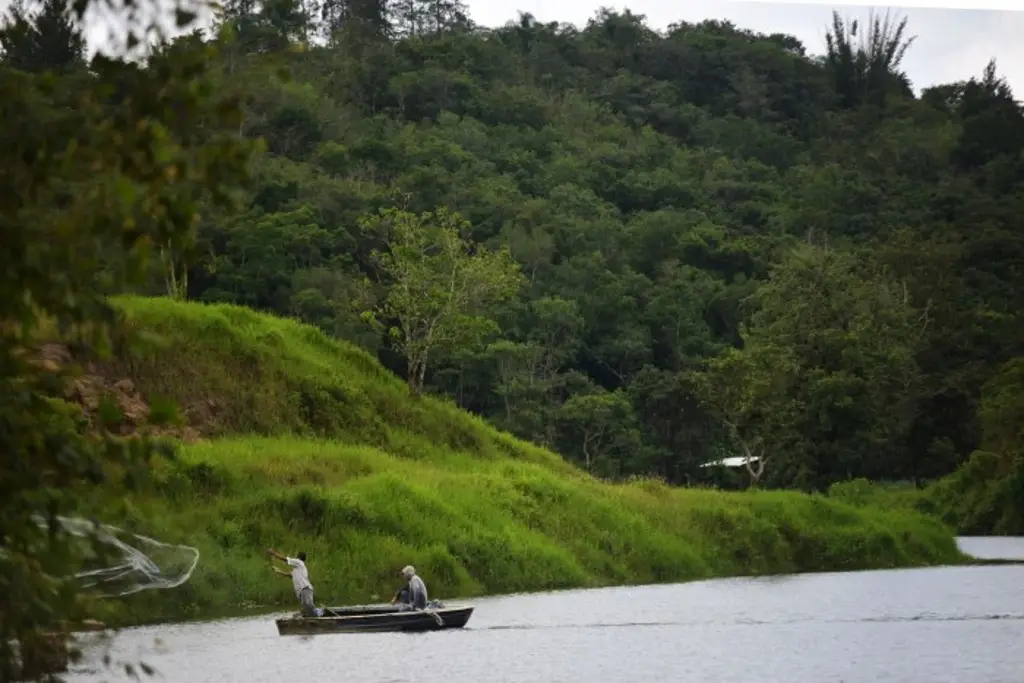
(114, 402)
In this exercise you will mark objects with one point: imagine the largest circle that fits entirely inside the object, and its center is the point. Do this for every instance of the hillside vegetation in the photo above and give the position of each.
(985, 495)
(724, 240)
(317, 447)
(231, 370)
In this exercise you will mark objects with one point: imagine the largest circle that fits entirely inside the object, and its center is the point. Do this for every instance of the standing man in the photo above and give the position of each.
(300, 580)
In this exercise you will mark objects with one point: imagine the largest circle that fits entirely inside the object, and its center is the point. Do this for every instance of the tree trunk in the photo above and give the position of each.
(755, 472)
(177, 287)
(412, 375)
(421, 378)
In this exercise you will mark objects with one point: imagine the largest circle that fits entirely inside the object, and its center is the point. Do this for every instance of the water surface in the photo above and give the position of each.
(993, 547)
(935, 625)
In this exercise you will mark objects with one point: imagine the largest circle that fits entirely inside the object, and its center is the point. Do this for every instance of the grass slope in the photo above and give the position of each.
(235, 371)
(983, 497)
(314, 446)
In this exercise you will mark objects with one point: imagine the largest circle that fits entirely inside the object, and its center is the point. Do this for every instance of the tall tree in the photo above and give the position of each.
(427, 17)
(438, 286)
(867, 72)
(827, 378)
(993, 121)
(360, 19)
(264, 26)
(48, 39)
(600, 431)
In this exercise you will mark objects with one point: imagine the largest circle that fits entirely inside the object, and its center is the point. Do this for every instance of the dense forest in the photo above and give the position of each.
(646, 250)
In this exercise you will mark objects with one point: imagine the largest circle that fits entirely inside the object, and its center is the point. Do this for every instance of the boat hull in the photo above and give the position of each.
(375, 620)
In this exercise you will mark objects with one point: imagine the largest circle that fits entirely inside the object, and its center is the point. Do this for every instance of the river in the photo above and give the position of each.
(934, 625)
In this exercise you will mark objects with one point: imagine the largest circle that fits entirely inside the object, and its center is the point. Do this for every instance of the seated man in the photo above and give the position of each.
(414, 595)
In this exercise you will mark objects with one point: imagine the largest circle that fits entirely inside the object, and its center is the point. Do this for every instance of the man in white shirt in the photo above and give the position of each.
(300, 580)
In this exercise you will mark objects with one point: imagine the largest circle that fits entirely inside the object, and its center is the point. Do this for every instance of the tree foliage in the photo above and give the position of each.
(865, 72)
(827, 371)
(99, 169)
(48, 39)
(439, 287)
(654, 189)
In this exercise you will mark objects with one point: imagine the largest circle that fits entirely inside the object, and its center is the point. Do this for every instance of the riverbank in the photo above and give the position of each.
(301, 442)
(475, 527)
(983, 497)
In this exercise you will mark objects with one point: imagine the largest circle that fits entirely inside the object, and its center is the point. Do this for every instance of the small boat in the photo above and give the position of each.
(375, 619)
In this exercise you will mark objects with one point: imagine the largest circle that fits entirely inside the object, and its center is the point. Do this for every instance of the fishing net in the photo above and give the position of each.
(119, 563)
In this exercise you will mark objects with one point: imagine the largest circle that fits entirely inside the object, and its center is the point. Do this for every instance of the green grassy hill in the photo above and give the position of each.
(302, 442)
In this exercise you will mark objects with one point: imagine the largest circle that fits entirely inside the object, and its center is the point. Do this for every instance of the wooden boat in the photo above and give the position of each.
(375, 619)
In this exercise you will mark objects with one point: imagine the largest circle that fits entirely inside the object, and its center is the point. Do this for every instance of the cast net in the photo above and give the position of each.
(118, 562)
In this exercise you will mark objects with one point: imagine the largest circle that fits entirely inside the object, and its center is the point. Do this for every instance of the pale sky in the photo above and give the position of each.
(951, 44)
